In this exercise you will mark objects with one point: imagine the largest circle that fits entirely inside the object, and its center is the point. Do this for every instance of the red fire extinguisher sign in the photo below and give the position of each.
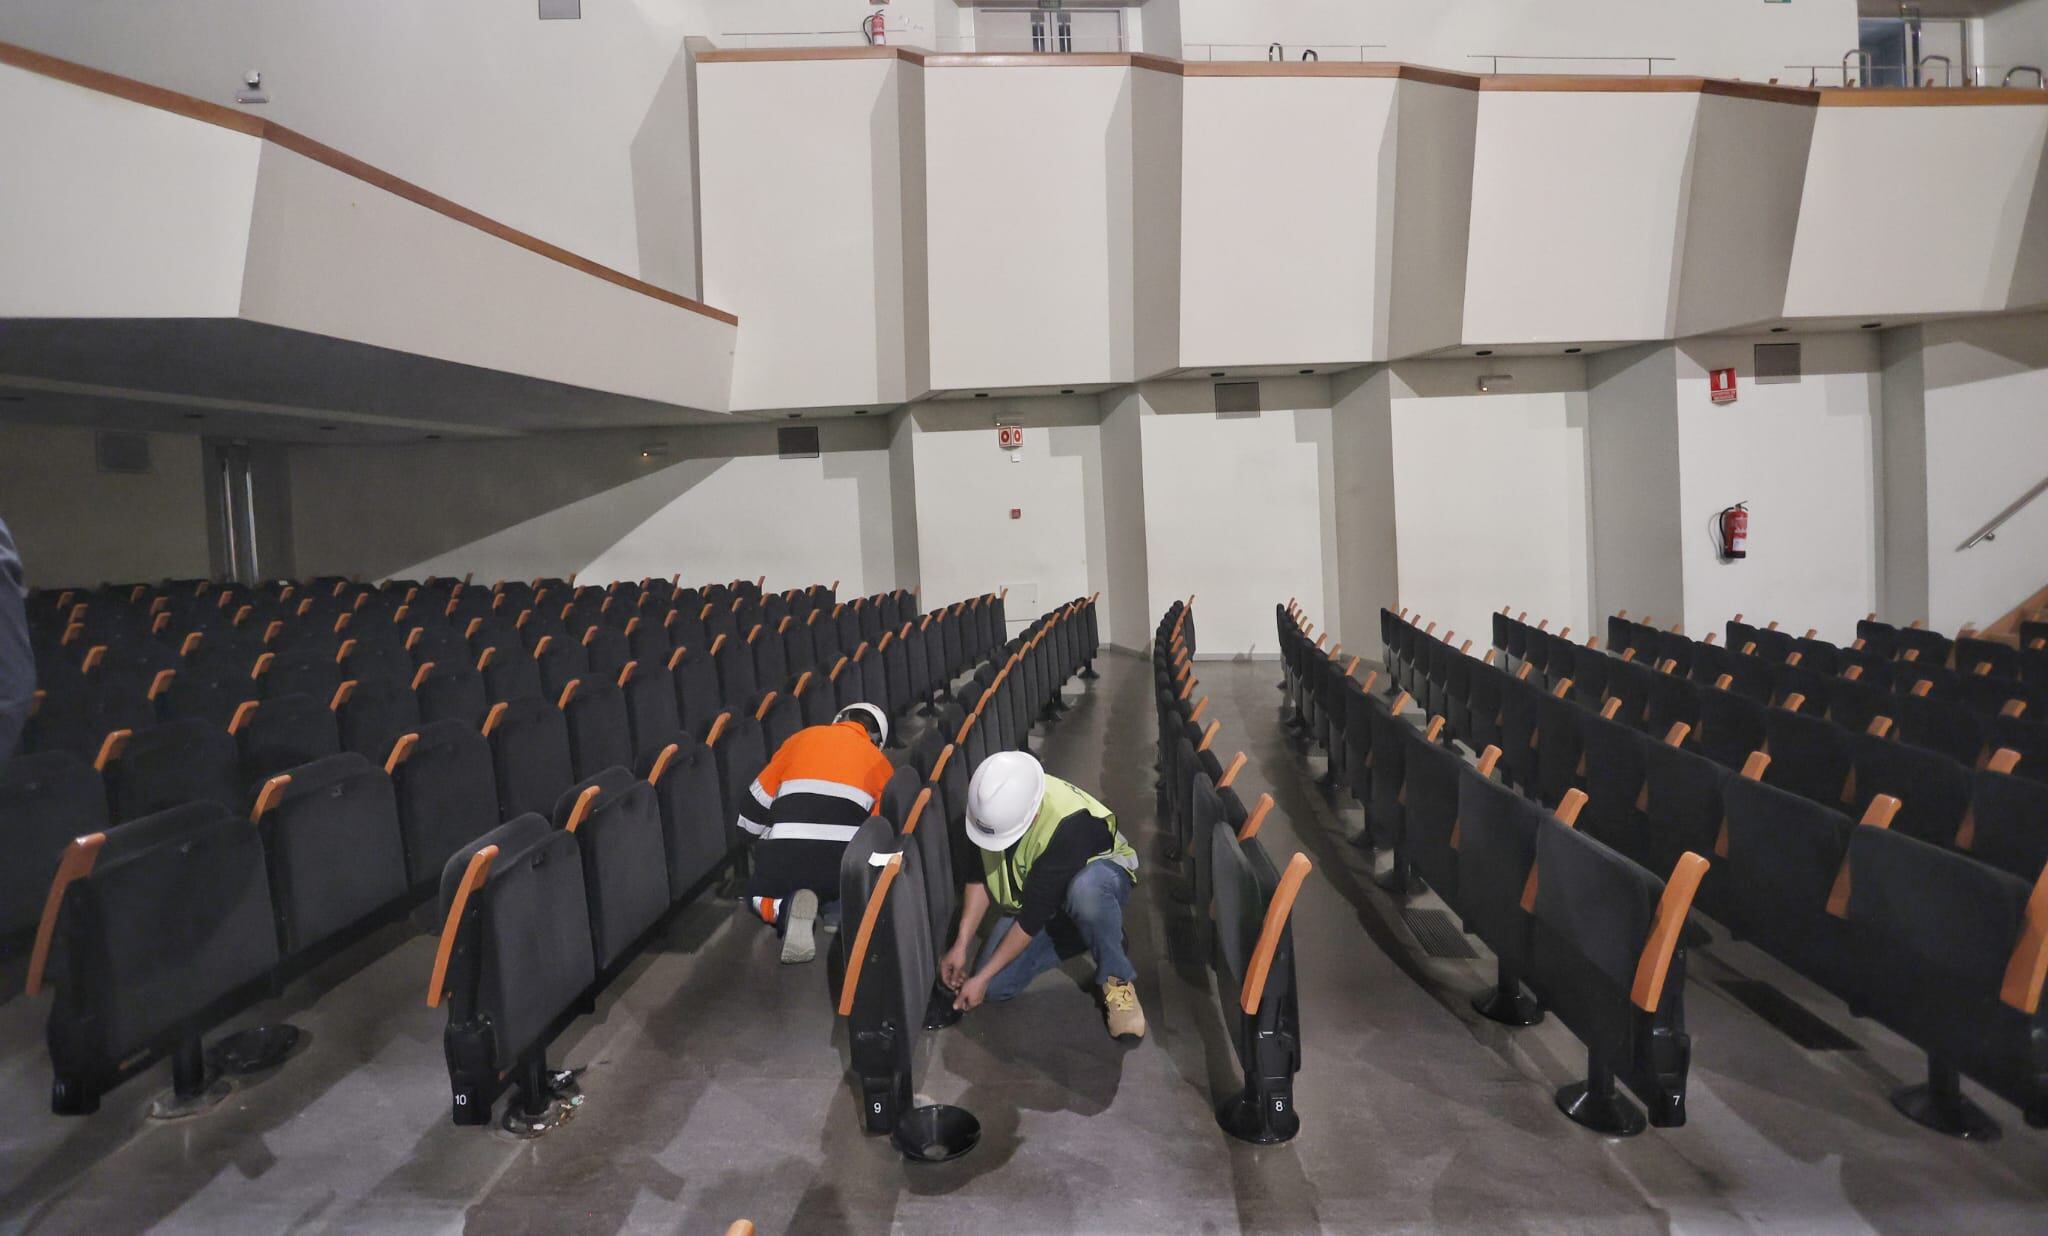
(1721, 388)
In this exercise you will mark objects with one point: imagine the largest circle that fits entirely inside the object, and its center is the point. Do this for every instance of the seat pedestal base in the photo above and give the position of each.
(1259, 1119)
(545, 1100)
(939, 1012)
(253, 1050)
(1508, 1004)
(195, 1089)
(1939, 1105)
(1601, 1108)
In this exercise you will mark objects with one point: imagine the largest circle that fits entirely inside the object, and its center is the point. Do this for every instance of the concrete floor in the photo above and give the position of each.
(716, 1090)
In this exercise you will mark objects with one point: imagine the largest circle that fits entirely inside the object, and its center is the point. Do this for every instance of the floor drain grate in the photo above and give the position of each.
(1788, 1016)
(1438, 934)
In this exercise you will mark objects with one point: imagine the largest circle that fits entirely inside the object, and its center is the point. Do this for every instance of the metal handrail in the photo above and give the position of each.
(1989, 532)
(1649, 62)
(1920, 68)
(1865, 62)
(2039, 80)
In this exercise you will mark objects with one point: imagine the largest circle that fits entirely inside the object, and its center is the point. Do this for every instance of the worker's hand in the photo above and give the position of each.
(972, 993)
(953, 967)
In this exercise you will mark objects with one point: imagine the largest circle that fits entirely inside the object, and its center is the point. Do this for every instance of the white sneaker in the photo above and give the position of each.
(799, 942)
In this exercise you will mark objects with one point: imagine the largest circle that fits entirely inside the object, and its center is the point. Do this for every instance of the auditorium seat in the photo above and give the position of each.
(447, 794)
(890, 968)
(695, 829)
(530, 753)
(616, 820)
(170, 764)
(600, 737)
(281, 732)
(158, 930)
(46, 800)
(333, 848)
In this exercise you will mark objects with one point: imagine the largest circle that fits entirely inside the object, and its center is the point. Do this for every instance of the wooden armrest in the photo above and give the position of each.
(1628, 654)
(1277, 912)
(472, 879)
(1922, 687)
(1201, 706)
(568, 693)
(586, 802)
(2029, 963)
(857, 957)
(924, 798)
(267, 797)
(1793, 702)
(1256, 819)
(1372, 678)
(1401, 702)
(2013, 708)
(420, 675)
(76, 864)
(112, 747)
(718, 643)
(1209, 735)
(1677, 734)
(1879, 727)
(1230, 774)
(767, 702)
(1567, 813)
(492, 718)
(1436, 727)
(1564, 686)
(1877, 815)
(1612, 706)
(161, 682)
(960, 738)
(939, 765)
(243, 711)
(1672, 908)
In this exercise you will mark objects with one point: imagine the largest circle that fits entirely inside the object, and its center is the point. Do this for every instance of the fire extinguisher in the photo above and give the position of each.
(1733, 524)
(873, 27)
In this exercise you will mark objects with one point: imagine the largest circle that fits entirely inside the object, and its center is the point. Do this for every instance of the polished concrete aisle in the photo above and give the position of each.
(716, 1089)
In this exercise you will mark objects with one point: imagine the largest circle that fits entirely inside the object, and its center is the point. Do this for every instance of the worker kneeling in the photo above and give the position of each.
(823, 782)
(1048, 850)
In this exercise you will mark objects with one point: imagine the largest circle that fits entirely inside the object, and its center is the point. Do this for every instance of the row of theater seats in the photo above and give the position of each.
(1594, 935)
(901, 876)
(1964, 711)
(1243, 904)
(1992, 804)
(211, 870)
(1931, 919)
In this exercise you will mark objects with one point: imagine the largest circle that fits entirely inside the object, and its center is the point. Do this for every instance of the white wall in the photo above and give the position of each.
(1742, 211)
(714, 504)
(1987, 443)
(1425, 249)
(1239, 509)
(1633, 451)
(1804, 456)
(1944, 250)
(1754, 41)
(805, 214)
(1030, 225)
(1281, 259)
(1576, 199)
(2016, 34)
(129, 211)
(1491, 492)
(79, 527)
(1125, 574)
(967, 486)
(1363, 495)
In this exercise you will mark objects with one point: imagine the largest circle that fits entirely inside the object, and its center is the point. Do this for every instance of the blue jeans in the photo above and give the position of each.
(1095, 905)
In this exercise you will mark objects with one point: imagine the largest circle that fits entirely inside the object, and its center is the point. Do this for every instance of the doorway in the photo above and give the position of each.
(1048, 30)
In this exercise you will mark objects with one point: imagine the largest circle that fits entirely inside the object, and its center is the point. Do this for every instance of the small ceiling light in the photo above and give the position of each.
(1484, 352)
(1066, 390)
(1779, 330)
(796, 416)
(1872, 325)
(1573, 351)
(1306, 372)
(1487, 381)
(1215, 373)
(981, 394)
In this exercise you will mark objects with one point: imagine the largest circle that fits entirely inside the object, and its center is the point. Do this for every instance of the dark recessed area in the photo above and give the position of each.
(1779, 330)
(195, 416)
(328, 428)
(1573, 351)
(796, 416)
(1066, 390)
(1484, 352)
(1307, 371)
(1215, 373)
(860, 411)
(433, 437)
(1872, 325)
(981, 394)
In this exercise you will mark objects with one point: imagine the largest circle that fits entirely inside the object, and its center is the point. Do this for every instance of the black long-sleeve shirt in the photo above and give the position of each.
(17, 658)
(1078, 840)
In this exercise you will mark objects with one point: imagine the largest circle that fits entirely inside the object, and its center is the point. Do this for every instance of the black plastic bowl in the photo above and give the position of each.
(937, 1133)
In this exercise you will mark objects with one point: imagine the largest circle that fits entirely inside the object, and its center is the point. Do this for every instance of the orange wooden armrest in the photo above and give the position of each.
(1209, 735)
(1487, 759)
(939, 765)
(161, 683)
(1201, 706)
(267, 797)
(1628, 654)
(243, 711)
(112, 747)
(1922, 687)
(492, 718)
(740, 1227)
(1352, 668)
(1230, 774)
(767, 702)
(1672, 908)
(1371, 677)
(1612, 706)
(1277, 912)
(856, 959)
(1522, 674)
(1563, 686)
(1793, 702)
(472, 879)
(1436, 727)
(661, 763)
(1677, 734)
(1257, 819)
(76, 864)
(586, 802)
(568, 693)
(2029, 964)
(1877, 815)
(1401, 702)
(924, 797)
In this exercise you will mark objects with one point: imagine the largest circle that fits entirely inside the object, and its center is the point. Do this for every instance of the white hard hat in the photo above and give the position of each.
(1003, 799)
(872, 718)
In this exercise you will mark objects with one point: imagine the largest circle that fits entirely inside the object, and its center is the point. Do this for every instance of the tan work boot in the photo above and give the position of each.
(799, 945)
(1120, 1002)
